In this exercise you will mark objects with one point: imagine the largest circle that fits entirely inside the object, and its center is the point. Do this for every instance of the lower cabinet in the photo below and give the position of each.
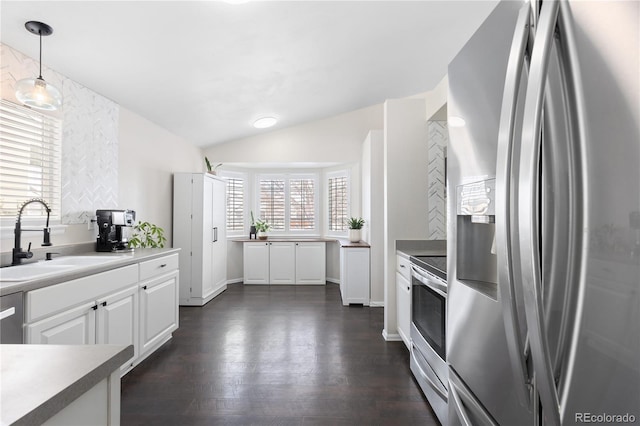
(133, 305)
(75, 326)
(354, 275)
(158, 310)
(403, 299)
(284, 262)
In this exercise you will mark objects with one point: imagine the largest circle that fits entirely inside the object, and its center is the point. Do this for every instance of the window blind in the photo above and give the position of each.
(30, 157)
(235, 204)
(338, 203)
(302, 204)
(272, 203)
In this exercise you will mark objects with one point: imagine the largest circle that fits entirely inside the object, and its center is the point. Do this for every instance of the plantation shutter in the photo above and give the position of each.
(272, 203)
(302, 204)
(235, 204)
(30, 157)
(338, 207)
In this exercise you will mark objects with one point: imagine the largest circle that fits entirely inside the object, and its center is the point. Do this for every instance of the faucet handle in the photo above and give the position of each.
(49, 255)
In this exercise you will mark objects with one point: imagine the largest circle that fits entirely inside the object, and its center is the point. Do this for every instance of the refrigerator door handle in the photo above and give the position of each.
(506, 164)
(528, 208)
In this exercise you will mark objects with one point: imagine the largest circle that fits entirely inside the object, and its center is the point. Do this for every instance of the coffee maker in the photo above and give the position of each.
(110, 224)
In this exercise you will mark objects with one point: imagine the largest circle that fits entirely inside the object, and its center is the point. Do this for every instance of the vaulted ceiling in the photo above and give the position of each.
(205, 70)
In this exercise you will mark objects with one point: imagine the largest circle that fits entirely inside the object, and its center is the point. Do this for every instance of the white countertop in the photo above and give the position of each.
(123, 259)
(37, 381)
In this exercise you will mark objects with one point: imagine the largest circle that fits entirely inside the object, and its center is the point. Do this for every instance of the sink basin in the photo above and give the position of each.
(44, 268)
(83, 260)
(31, 271)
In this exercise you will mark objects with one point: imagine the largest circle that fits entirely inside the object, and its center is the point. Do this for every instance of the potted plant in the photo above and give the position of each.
(211, 169)
(355, 225)
(147, 235)
(253, 231)
(262, 227)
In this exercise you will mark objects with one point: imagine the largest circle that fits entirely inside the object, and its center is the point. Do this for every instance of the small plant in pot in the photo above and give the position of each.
(355, 225)
(211, 169)
(262, 227)
(147, 235)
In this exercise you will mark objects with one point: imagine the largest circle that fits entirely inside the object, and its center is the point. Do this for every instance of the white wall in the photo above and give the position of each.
(373, 209)
(149, 155)
(405, 190)
(335, 139)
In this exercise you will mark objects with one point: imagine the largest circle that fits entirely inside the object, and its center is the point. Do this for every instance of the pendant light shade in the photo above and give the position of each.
(35, 92)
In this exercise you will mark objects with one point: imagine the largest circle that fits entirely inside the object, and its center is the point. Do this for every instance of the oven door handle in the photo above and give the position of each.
(442, 394)
(434, 285)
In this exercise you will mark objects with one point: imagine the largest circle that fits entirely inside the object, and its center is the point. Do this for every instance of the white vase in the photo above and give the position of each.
(354, 235)
(262, 235)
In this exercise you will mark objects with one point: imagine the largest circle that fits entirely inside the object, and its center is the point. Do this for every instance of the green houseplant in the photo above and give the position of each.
(262, 227)
(355, 225)
(147, 235)
(211, 169)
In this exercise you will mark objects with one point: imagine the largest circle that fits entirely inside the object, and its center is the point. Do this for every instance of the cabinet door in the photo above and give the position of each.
(311, 263)
(354, 278)
(219, 245)
(158, 310)
(403, 301)
(117, 319)
(282, 263)
(256, 263)
(208, 237)
(76, 326)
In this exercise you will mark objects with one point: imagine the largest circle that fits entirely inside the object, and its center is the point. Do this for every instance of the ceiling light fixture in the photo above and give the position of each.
(35, 92)
(264, 122)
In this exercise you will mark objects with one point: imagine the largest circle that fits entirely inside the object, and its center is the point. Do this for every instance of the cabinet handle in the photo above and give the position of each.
(402, 266)
(408, 288)
(94, 307)
(144, 287)
(163, 265)
(104, 303)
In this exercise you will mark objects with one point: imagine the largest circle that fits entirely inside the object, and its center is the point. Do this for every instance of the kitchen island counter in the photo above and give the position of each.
(38, 381)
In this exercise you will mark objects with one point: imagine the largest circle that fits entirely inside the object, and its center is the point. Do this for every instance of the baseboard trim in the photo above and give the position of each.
(235, 281)
(376, 304)
(333, 280)
(391, 337)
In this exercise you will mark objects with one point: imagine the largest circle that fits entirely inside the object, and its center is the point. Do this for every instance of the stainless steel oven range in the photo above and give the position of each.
(428, 334)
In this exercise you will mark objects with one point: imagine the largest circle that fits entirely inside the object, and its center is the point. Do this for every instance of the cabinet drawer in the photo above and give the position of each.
(404, 267)
(50, 300)
(155, 267)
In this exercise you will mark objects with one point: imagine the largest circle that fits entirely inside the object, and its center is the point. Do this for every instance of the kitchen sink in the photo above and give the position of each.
(44, 268)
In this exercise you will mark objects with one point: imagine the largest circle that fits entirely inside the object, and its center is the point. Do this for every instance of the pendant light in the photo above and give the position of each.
(35, 92)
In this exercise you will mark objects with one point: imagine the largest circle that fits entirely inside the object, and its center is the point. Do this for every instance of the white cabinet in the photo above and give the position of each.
(403, 298)
(117, 319)
(66, 313)
(311, 265)
(199, 229)
(256, 262)
(133, 305)
(354, 275)
(158, 310)
(284, 262)
(74, 326)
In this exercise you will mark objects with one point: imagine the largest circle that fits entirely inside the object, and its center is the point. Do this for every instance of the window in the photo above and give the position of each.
(302, 204)
(338, 194)
(288, 203)
(30, 145)
(272, 203)
(235, 204)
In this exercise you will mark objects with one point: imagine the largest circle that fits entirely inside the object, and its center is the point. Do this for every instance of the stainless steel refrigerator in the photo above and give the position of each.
(543, 321)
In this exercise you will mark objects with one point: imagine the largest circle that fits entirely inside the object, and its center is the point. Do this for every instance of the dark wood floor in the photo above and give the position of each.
(276, 355)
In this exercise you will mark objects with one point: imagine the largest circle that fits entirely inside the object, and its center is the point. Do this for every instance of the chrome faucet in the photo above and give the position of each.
(18, 254)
